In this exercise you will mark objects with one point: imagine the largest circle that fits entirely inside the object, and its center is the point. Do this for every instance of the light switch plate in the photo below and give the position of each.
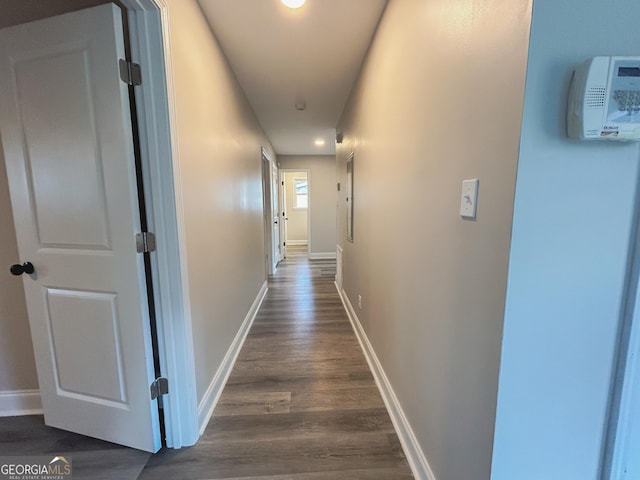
(469, 198)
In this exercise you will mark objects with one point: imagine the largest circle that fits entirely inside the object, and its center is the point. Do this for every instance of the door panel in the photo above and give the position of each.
(74, 314)
(66, 131)
(60, 219)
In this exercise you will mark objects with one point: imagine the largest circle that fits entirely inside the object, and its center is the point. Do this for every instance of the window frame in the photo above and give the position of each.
(295, 181)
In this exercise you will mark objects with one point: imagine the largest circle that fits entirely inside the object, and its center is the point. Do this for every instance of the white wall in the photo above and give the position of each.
(439, 100)
(296, 218)
(574, 210)
(220, 164)
(322, 172)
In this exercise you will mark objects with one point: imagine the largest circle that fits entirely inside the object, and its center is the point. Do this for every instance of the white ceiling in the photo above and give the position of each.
(281, 56)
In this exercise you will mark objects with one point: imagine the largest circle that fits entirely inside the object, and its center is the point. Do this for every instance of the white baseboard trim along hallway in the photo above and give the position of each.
(212, 395)
(20, 402)
(297, 243)
(322, 256)
(417, 461)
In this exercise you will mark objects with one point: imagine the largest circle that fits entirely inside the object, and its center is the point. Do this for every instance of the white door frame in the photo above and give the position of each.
(267, 199)
(155, 102)
(621, 461)
(283, 204)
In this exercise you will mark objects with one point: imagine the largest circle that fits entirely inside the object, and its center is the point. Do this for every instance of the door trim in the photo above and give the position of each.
(622, 439)
(155, 101)
(267, 196)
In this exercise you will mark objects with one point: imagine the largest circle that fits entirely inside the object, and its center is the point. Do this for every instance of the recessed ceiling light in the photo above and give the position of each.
(319, 142)
(293, 3)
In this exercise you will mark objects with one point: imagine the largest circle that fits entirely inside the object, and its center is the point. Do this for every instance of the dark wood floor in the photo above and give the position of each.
(300, 404)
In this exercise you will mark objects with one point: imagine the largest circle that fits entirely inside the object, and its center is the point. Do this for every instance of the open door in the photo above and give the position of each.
(66, 133)
(275, 210)
(295, 207)
(270, 260)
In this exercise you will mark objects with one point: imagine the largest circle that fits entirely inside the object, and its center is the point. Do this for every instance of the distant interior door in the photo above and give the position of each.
(277, 244)
(66, 132)
(295, 186)
(270, 259)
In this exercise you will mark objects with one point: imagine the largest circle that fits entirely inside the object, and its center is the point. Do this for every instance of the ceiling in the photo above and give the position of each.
(282, 56)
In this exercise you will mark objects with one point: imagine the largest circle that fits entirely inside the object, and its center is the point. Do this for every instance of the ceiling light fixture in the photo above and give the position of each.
(293, 3)
(319, 142)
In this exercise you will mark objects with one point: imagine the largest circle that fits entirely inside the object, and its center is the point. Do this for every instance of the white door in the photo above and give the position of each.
(66, 133)
(283, 213)
(267, 213)
(277, 251)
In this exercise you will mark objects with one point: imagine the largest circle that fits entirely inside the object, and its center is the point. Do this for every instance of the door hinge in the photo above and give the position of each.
(145, 242)
(283, 183)
(160, 386)
(130, 73)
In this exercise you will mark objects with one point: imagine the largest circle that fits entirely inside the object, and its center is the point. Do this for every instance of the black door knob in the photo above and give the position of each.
(26, 267)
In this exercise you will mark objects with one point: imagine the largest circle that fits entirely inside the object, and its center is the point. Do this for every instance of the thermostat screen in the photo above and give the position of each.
(629, 72)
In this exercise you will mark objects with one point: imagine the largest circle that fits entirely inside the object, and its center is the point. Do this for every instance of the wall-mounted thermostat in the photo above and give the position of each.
(604, 100)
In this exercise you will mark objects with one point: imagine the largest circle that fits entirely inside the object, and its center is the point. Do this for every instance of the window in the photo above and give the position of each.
(301, 192)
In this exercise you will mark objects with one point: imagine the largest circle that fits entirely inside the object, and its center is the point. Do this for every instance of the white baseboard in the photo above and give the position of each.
(415, 457)
(296, 242)
(20, 402)
(322, 256)
(212, 395)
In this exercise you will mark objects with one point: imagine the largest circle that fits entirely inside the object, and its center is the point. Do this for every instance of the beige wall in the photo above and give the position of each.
(322, 174)
(220, 165)
(23, 11)
(17, 365)
(439, 100)
(297, 226)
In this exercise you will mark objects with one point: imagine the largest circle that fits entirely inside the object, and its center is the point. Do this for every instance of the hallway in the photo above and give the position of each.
(300, 403)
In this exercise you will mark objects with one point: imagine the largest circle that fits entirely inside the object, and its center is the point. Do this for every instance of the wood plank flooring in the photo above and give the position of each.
(91, 459)
(300, 403)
